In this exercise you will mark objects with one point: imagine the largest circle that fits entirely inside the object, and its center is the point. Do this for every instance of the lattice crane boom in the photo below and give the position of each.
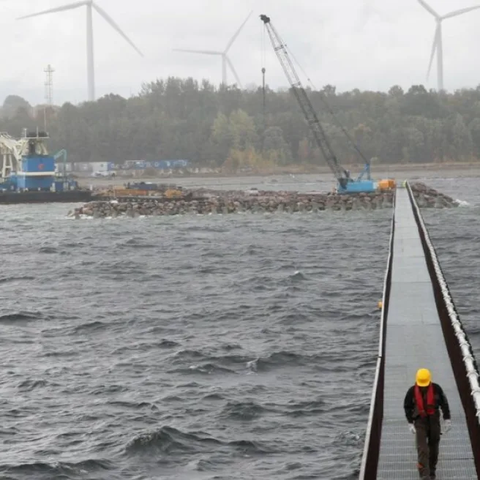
(321, 139)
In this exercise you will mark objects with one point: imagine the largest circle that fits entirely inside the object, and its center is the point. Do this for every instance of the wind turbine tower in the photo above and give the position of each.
(91, 5)
(49, 85)
(437, 46)
(226, 62)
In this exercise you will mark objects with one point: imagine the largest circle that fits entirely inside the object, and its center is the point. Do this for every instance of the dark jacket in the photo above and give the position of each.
(410, 406)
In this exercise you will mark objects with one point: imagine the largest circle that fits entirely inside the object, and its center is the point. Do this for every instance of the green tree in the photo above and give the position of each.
(462, 139)
(275, 148)
(208, 125)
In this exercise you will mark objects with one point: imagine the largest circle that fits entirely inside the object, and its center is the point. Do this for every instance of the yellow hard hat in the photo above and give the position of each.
(424, 377)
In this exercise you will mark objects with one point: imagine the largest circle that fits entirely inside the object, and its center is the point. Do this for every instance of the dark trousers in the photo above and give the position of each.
(427, 439)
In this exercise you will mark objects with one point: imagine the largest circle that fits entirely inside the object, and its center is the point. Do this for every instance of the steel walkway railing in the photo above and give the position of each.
(412, 337)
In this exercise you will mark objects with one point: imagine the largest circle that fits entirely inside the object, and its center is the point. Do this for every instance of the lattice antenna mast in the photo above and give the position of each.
(49, 85)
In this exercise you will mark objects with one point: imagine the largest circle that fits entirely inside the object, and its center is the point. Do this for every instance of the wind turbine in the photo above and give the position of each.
(225, 60)
(437, 39)
(90, 63)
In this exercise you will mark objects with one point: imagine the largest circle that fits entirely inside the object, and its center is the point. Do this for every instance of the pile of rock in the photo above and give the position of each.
(224, 202)
(427, 197)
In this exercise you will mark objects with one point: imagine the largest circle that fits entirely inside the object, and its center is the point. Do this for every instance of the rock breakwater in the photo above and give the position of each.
(206, 202)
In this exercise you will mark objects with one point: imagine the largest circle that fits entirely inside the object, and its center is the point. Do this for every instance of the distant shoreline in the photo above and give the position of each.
(354, 169)
(378, 172)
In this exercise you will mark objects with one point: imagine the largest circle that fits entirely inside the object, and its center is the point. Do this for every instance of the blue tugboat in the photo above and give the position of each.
(30, 173)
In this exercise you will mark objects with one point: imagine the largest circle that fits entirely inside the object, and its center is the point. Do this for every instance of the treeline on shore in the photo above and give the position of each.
(230, 128)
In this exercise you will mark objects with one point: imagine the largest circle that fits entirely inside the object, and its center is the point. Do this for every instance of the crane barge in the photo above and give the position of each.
(346, 184)
(28, 172)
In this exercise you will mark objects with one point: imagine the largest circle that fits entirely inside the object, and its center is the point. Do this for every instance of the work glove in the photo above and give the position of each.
(447, 426)
(411, 427)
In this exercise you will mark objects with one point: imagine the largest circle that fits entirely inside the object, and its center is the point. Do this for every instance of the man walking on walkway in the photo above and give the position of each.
(422, 408)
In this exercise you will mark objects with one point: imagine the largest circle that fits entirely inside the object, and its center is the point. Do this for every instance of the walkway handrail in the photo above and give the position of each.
(368, 468)
(463, 347)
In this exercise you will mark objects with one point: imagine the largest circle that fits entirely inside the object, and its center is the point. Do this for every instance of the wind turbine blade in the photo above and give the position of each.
(427, 7)
(109, 20)
(459, 12)
(237, 33)
(434, 48)
(56, 9)
(230, 64)
(205, 52)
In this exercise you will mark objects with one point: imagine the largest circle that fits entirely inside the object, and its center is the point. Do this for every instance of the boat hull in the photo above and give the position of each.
(70, 196)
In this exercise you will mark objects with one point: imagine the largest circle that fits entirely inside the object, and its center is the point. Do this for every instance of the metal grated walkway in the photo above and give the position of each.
(414, 339)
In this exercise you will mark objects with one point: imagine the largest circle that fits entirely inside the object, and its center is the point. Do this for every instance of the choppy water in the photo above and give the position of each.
(219, 347)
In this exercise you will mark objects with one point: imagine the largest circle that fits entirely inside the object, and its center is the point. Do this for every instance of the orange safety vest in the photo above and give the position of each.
(430, 410)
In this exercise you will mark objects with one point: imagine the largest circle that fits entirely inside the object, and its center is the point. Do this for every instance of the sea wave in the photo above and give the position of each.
(201, 347)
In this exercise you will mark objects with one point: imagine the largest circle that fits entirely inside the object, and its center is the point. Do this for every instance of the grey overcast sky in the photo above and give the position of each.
(365, 44)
